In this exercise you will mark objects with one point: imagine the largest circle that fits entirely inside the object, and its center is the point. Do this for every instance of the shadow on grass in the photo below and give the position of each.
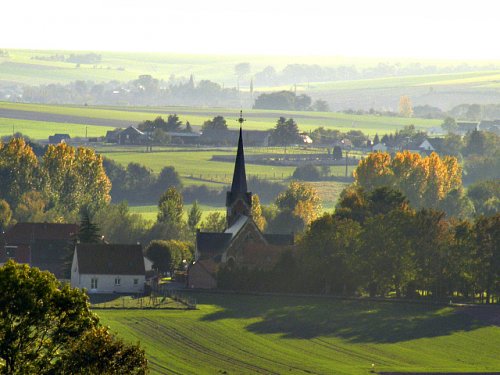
(356, 321)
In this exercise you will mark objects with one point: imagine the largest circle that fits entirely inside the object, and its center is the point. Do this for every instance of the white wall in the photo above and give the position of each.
(106, 283)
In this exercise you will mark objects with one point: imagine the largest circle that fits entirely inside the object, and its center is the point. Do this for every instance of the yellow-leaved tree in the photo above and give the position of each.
(405, 106)
(425, 181)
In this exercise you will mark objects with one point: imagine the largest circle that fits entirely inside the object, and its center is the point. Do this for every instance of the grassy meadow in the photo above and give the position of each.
(239, 334)
(150, 212)
(256, 119)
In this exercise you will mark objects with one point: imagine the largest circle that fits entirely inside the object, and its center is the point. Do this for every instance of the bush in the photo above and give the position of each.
(307, 173)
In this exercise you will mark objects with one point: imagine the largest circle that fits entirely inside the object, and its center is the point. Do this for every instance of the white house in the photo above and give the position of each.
(426, 145)
(104, 268)
(379, 147)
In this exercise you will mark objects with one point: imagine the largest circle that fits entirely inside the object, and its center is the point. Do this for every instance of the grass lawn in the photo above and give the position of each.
(237, 334)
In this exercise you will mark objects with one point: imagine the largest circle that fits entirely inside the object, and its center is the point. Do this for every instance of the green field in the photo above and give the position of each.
(42, 130)
(150, 212)
(256, 119)
(237, 334)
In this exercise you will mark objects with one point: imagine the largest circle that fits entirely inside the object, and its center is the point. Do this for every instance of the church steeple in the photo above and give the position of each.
(239, 176)
(239, 200)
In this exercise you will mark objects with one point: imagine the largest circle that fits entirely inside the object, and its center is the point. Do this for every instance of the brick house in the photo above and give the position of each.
(47, 246)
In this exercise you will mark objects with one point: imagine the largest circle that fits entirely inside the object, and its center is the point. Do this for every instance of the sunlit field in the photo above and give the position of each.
(239, 334)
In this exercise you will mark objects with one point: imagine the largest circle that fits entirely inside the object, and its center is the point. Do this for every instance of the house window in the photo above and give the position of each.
(93, 283)
(117, 281)
(136, 281)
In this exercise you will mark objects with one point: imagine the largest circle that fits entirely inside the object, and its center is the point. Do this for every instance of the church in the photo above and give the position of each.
(242, 244)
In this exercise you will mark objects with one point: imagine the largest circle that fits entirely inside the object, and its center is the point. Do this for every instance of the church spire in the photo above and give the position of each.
(239, 184)
(238, 199)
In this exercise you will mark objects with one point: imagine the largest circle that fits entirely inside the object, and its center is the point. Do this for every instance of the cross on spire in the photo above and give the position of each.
(241, 120)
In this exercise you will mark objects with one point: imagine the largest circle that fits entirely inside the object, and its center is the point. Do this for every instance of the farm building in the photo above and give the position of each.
(59, 138)
(104, 268)
(43, 245)
(242, 244)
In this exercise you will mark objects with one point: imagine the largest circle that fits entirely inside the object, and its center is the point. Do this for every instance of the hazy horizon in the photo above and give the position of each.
(441, 30)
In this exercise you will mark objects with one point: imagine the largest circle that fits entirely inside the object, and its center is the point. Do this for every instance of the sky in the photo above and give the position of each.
(437, 29)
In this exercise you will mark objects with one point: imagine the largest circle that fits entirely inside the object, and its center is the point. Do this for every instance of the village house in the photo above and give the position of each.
(47, 246)
(379, 147)
(242, 244)
(492, 126)
(59, 138)
(464, 127)
(105, 268)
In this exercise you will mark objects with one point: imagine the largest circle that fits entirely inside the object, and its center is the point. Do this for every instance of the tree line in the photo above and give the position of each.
(375, 244)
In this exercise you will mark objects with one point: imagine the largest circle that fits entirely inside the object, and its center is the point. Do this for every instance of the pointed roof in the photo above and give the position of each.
(239, 184)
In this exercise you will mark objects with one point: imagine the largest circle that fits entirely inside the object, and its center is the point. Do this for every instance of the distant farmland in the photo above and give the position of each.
(256, 119)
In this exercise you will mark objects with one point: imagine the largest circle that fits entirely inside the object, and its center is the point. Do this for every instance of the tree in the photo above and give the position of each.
(475, 143)
(189, 128)
(300, 200)
(194, 216)
(217, 123)
(337, 153)
(170, 207)
(449, 125)
(76, 178)
(321, 106)
(328, 253)
(118, 225)
(46, 328)
(386, 253)
(405, 106)
(33, 207)
(173, 123)
(307, 173)
(285, 132)
(424, 181)
(167, 178)
(5, 215)
(167, 256)
(486, 197)
(242, 69)
(257, 217)
(214, 222)
(88, 231)
(376, 139)
(19, 170)
(487, 253)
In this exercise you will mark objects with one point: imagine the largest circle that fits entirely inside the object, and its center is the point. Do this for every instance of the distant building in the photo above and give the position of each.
(492, 126)
(112, 135)
(104, 268)
(186, 138)
(379, 147)
(242, 244)
(132, 136)
(256, 138)
(59, 138)
(464, 127)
